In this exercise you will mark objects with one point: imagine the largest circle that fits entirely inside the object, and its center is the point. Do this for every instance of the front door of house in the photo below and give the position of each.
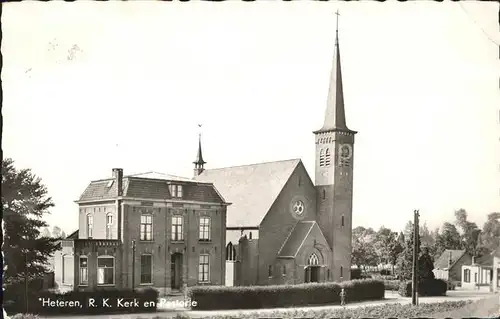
(176, 271)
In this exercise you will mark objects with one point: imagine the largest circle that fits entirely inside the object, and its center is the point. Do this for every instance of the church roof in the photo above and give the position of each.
(151, 185)
(252, 189)
(296, 238)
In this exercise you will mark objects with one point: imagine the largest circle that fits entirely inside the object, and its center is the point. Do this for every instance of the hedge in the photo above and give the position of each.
(428, 287)
(255, 297)
(73, 302)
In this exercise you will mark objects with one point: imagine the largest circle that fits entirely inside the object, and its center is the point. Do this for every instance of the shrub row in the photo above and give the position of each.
(255, 297)
(88, 302)
(392, 284)
(428, 287)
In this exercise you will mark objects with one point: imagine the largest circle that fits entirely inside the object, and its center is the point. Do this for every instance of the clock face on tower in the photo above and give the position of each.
(345, 151)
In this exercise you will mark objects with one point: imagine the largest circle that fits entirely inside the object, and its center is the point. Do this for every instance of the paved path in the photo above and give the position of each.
(390, 297)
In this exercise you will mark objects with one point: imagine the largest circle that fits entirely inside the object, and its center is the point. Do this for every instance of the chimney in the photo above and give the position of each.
(118, 176)
(449, 260)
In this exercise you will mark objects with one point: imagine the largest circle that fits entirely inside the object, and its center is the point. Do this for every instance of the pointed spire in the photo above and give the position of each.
(199, 162)
(199, 156)
(335, 113)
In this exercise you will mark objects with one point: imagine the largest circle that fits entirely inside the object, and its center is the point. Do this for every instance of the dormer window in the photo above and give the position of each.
(175, 190)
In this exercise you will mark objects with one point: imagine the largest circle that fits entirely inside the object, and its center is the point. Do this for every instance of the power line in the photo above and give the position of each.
(475, 22)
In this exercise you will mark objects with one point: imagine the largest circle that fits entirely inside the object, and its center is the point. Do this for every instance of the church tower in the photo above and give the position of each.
(334, 175)
(199, 163)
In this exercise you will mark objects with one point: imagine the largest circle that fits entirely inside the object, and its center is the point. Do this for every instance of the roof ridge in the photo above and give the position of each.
(254, 164)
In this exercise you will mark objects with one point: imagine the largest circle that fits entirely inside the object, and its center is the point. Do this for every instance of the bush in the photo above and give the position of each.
(428, 287)
(256, 297)
(385, 272)
(105, 301)
(432, 287)
(355, 273)
(405, 288)
(391, 284)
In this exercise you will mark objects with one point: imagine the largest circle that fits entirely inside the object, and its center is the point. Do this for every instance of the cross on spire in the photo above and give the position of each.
(338, 15)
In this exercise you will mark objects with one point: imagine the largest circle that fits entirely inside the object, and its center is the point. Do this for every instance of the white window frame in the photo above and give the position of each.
(89, 220)
(80, 268)
(143, 234)
(205, 233)
(105, 267)
(179, 228)
(109, 226)
(201, 268)
(151, 274)
(176, 190)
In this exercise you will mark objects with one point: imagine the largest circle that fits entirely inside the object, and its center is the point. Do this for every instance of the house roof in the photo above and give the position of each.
(296, 238)
(73, 235)
(151, 185)
(442, 261)
(486, 260)
(252, 189)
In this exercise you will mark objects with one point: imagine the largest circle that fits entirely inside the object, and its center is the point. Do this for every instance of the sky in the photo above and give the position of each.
(91, 86)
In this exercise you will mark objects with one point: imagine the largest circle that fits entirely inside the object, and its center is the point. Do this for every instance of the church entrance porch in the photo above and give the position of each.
(176, 271)
(312, 274)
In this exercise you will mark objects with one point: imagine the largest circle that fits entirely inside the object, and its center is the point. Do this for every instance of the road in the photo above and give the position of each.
(390, 297)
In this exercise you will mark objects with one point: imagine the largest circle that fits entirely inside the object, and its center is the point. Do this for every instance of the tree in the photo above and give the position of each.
(24, 203)
(405, 259)
(470, 231)
(396, 247)
(56, 232)
(363, 250)
(425, 266)
(490, 236)
(46, 232)
(449, 238)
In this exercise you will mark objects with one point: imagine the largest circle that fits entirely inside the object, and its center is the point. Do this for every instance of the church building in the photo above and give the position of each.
(283, 227)
(260, 224)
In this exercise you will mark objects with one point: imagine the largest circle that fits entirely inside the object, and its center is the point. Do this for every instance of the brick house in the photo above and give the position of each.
(146, 230)
(449, 265)
(283, 228)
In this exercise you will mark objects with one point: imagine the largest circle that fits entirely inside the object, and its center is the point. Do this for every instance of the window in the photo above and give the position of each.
(475, 277)
(342, 221)
(105, 270)
(284, 270)
(230, 252)
(313, 260)
(203, 270)
(109, 224)
(146, 269)
(84, 270)
(341, 272)
(177, 234)
(466, 275)
(328, 273)
(322, 158)
(176, 190)
(300, 181)
(90, 224)
(270, 271)
(204, 229)
(146, 227)
(324, 194)
(327, 157)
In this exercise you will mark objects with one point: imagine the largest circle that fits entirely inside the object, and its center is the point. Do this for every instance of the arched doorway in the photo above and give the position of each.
(176, 271)
(312, 269)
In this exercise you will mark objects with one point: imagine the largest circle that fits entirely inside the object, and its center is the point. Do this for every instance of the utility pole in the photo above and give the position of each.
(415, 258)
(133, 264)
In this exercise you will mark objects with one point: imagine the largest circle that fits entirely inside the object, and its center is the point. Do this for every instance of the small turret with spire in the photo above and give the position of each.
(199, 163)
